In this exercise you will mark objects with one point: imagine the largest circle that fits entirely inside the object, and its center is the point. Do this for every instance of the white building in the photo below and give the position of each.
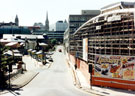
(61, 26)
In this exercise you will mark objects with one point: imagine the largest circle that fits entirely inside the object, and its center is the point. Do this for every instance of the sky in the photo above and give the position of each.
(31, 11)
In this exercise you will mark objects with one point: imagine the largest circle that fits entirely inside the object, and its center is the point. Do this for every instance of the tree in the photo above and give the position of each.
(5, 65)
(2, 69)
(53, 41)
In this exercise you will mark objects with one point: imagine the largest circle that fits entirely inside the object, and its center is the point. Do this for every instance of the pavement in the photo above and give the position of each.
(32, 66)
(22, 79)
(80, 82)
(101, 91)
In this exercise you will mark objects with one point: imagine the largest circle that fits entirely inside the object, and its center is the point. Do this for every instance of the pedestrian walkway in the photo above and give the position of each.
(31, 66)
(20, 80)
(31, 63)
(102, 90)
(81, 82)
(23, 79)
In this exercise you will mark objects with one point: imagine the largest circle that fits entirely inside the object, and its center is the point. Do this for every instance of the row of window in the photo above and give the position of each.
(14, 31)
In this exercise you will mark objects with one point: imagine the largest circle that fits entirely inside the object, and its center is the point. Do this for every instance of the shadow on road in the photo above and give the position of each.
(11, 90)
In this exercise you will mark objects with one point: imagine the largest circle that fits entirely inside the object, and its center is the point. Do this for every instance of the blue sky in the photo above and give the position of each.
(31, 11)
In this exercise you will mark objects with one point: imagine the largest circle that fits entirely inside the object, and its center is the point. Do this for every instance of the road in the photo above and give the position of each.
(55, 81)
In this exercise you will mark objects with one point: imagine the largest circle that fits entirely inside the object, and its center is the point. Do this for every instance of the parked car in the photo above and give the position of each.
(60, 50)
(50, 59)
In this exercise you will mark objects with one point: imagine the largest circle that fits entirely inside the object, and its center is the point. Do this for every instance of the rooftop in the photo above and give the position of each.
(23, 36)
(118, 5)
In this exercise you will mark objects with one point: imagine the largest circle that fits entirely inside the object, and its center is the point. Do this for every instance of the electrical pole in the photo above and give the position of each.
(90, 71)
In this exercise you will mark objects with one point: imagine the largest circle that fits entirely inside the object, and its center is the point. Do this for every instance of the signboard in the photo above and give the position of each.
(114, 18)
(122, 67)
(98, 27)
(85, 49)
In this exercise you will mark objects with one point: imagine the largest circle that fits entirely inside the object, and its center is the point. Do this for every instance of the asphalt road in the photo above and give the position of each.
(55, 81)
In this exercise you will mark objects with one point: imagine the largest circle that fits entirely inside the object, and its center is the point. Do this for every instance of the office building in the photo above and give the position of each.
(61, 26)
(75, 21)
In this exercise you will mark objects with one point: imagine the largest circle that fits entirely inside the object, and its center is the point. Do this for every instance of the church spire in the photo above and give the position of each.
(47, 23)
(16, 20)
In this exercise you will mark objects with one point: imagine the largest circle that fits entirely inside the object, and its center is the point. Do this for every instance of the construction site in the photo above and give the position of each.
(107, 42)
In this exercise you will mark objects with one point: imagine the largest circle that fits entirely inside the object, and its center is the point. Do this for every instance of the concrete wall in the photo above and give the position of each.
(82, 66)
(84, 69)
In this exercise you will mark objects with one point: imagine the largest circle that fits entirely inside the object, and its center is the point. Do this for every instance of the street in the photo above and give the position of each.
(55, 81)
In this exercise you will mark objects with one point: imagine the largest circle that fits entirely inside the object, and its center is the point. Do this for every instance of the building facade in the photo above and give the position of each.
(75, 21)
(11, 28)
(61, 26)
(57, 33)
(107, 43)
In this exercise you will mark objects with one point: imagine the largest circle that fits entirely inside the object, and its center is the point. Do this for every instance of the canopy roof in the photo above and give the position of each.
(43, 44)
(11, 43)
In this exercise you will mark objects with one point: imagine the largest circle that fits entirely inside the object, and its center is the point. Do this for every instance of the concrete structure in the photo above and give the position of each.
(75, 21)
(11, 28)
(39, 24)
(24, 36)
(61, 26)
(107, 43)
(57, 33)
(51, 34)
(59, 30)
(30, 40)
(118, 5)
(66, 40)
(88, 12)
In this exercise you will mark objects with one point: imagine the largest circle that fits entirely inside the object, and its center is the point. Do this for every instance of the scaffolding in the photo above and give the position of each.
(111, 34)
(111, 47)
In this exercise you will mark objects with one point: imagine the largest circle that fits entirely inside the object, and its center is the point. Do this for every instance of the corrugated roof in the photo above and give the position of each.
(43, 44)
(11, 43)
(23, 36)
(117, 4)
(11, 39)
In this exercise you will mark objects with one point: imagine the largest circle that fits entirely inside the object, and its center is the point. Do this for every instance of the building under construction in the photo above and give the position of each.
(107, 41)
